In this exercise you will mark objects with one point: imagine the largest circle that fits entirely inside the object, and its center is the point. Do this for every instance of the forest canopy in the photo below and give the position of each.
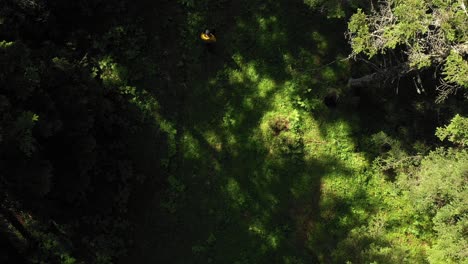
(310, 132)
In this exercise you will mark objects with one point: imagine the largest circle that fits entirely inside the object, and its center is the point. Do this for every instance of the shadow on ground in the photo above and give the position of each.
(251, 179)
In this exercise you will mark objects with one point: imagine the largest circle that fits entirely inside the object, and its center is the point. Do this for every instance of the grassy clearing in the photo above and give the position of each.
(266, 172)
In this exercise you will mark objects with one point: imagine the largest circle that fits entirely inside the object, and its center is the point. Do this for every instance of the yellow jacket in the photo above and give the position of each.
(208, 38)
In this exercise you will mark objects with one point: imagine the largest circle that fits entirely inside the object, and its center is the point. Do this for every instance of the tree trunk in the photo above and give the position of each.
(13, 219)
(376, 79)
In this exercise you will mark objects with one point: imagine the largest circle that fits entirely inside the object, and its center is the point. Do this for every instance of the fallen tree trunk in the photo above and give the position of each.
(17, 223)
(376, 79)
(370, 80)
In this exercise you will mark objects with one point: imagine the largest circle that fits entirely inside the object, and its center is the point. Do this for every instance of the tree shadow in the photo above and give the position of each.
(242, 198)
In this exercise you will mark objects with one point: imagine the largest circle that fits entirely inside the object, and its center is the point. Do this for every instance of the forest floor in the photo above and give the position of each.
(262, 171)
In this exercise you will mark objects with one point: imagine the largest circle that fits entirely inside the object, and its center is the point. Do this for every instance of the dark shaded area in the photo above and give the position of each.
(67, 135)
(8, 253)
(331, 100)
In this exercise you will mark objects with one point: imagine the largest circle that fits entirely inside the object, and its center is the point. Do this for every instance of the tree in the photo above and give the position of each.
(438, 192)
(441, 192)
(412, 36)
(423, 210)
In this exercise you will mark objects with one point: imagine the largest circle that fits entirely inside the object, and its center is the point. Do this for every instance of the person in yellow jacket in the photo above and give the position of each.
(209, 39)
(207, 36)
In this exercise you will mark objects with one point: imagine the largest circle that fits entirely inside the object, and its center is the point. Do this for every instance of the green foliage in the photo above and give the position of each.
(411, 21)
(429, 34)
(390, 154)
(361, 42)
(418, 59)
(430, 196)
(442, 192)
(456, 69)
(456, 132)
(111, 73)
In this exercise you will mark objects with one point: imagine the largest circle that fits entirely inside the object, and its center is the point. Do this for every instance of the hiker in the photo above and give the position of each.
(209, 39)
